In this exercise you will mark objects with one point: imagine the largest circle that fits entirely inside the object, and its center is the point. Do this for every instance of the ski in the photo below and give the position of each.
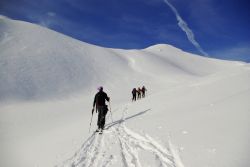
(100, 131)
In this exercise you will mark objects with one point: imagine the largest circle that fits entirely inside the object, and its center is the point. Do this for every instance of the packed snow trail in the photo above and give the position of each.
(89, 152)
(97, 150)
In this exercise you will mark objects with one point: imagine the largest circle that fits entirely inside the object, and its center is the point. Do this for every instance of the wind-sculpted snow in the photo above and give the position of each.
(38, 63)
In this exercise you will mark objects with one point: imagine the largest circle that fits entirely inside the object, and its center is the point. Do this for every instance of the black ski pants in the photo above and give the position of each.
(102, 111)
(134, 97)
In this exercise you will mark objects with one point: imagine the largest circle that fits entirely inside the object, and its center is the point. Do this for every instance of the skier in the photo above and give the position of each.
(143, 90)
(138, 93)
(134, 94)
(101, 107)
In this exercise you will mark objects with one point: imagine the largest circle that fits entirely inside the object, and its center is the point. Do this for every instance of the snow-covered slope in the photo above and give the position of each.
(39, 63)
(196, 112)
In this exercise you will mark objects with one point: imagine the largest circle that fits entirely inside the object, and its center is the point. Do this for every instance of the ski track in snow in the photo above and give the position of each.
(94, 152)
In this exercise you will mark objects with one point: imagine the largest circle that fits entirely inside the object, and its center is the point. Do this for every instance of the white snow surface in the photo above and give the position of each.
(196, 112)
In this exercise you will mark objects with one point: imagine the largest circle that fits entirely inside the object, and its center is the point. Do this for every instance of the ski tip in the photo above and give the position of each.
(101, 131)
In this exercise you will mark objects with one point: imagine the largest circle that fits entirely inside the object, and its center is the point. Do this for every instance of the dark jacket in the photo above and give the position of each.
(100, 98)
(143, 89)
(134, 91)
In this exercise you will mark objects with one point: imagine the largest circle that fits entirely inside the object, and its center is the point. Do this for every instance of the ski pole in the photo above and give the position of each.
(91, 120)
(110, 112)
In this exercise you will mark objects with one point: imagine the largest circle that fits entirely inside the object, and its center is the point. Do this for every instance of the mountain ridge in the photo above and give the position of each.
(39, 63)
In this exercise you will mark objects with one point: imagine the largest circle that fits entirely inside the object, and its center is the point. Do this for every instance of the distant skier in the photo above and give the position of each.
(143, 90)
(138, 93)
(134, 94)
(101, 107)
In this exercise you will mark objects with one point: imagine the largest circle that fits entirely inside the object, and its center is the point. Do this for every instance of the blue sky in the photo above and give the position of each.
(221, 27)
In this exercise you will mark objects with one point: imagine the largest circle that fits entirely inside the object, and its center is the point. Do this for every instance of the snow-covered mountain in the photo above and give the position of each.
(39, 63)
(196, 112)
